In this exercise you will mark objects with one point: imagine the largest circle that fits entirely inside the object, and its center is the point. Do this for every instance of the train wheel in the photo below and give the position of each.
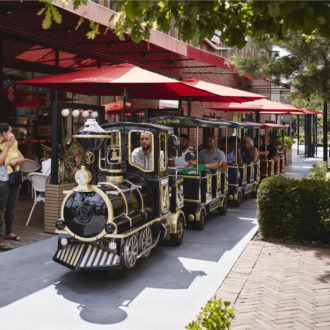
(199, 225)
(255, 193)
(177, 238)
(238, 201)
(223, 210)
(131, 250)
(116, 274)
(145, 240)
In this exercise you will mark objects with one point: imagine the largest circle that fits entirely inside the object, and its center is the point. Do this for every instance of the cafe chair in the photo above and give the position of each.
(38, 181)
(27, 167)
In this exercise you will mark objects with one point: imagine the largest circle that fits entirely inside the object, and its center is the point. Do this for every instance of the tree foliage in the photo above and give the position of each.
(197, 20)
(306, 66)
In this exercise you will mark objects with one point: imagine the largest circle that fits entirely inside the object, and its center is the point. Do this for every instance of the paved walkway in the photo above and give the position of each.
(34, 232)
(280, 286)
(275, 286)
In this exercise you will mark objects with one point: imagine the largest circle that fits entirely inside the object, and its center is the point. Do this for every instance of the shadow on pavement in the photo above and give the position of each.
(102, 301)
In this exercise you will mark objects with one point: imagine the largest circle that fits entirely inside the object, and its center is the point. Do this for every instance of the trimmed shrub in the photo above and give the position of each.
(318, 171)
(294, 208)
(214, 316)
(288, 142)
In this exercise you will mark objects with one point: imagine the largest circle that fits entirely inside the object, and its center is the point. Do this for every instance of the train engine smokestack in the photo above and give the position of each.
(91, 137)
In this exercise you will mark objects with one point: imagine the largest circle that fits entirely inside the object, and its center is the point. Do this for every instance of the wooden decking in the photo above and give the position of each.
(34, 232)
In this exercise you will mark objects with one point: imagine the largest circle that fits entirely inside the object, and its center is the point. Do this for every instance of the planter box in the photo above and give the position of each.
(288, 156)
(53, 204)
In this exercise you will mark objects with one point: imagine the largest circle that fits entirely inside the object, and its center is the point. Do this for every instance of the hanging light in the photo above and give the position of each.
(85, 114)
(65, 112)
(75, 113)
(94, 114)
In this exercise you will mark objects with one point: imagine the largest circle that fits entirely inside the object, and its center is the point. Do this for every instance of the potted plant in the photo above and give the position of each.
(70, 161)
(288, 143)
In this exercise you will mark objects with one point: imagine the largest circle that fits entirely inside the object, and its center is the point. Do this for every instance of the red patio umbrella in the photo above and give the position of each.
(128, 80)
(117, 107)
(235, 95)
(264, 107)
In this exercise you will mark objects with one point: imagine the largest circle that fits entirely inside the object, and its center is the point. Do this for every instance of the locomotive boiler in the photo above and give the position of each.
(125, 201)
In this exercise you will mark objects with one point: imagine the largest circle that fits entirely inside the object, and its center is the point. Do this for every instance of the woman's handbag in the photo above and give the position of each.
(15, 177)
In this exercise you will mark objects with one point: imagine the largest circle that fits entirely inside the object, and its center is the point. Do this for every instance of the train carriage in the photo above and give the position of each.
(203, 192)
(242, 179)
(125, 201)
(271, 167)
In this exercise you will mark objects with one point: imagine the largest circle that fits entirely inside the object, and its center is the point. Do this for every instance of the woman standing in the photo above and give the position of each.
(8, 192)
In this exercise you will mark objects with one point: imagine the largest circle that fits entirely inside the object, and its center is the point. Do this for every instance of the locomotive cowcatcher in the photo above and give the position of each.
(125, 202)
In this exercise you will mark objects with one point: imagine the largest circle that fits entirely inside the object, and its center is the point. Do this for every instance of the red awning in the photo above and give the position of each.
(134, 82)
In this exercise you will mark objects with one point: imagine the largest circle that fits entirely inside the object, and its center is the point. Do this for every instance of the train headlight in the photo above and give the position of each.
(112, 246)
(110, 228)
(60, 224)
(64, 241)
(83, 176)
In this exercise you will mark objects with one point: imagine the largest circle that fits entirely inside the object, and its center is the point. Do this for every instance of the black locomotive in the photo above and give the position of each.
(125, 202)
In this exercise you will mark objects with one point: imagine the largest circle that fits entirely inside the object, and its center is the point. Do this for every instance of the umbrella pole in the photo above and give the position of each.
(189, 111)
(325, 131)
(124, 104)
(257, 117)
(2, 77)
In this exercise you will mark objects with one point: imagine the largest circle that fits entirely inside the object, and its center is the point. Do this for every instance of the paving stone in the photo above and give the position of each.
(288, 289)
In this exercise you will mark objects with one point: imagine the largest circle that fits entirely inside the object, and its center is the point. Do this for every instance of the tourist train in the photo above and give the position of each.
(127, 197)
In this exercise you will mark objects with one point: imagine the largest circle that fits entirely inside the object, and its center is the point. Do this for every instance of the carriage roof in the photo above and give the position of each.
(138, 126)
(247, 125)
(177, 121)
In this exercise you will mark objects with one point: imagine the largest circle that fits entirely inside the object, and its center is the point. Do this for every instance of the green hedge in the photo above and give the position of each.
(318, 171)
(294, 208)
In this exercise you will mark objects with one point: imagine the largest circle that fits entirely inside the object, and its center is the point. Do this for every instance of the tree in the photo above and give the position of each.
(306, 67)
(197, 20)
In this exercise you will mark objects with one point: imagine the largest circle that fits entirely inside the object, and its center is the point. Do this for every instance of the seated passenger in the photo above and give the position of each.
(248, 143)
(245, 153)
(231, 151)
(270, 147)
(260, 142)
(190, 158)
(142, 156)
(180, 161)
(212, 155)
(223, 144)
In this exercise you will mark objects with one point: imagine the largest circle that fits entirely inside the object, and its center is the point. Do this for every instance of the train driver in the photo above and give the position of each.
(142, 156)
(212, 155)
(180, 162)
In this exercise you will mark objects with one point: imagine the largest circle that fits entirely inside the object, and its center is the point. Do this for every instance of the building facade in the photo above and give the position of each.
(29, 51)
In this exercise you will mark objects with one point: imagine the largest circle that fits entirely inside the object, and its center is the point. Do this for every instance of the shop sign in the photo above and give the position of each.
(44, 130)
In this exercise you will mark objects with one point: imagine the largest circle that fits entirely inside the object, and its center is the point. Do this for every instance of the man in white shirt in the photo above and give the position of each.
(142, 156)
(180, 162)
